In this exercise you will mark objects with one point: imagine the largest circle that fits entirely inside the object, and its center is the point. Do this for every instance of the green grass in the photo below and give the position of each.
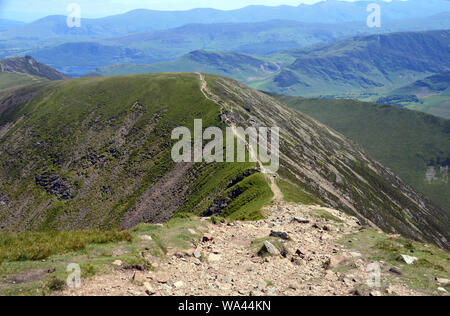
(293, 194)
(125, 123)
(433, 262)
(10, 80)
(26, 246)
(254, 193)
(100, 250)
(406, 141)
(323, 214)
(258, 248)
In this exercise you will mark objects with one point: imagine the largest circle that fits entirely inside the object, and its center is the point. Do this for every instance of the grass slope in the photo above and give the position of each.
(430, 95)
(102, 144)
(406, 141)
(10, 80)
(94, 153)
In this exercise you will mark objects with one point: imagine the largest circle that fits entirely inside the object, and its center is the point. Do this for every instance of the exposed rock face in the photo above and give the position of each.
(28, 65)
(55, 185)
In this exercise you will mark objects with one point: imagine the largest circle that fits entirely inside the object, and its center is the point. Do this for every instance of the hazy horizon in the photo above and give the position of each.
(31, 10)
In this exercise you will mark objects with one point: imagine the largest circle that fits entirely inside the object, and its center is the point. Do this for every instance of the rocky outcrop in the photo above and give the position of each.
(28, 65)
(53, 184)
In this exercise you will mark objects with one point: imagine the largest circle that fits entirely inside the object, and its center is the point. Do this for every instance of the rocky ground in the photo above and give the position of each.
(311, 261)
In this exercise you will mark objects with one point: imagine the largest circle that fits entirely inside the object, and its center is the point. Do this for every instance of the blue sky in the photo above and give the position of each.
(28, 10)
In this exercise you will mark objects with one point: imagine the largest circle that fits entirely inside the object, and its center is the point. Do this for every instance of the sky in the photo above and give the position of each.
(29, 10)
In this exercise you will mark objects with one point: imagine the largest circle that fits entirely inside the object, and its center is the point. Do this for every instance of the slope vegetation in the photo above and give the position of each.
(430, 95)
(95, 153)
(408, 142)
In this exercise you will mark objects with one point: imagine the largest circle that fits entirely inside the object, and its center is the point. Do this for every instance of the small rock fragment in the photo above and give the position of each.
(395, 271)
(197, 254)
(146, 238)
(149, 289)
(443, 282)
(207, 237)
(409, 259)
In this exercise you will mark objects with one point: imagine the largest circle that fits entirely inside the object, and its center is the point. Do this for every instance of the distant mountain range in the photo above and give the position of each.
(78, 57)
(142, 20)
(356, 65)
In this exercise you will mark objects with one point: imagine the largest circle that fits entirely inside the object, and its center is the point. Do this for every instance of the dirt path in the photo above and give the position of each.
(226, 262)
(277, 194)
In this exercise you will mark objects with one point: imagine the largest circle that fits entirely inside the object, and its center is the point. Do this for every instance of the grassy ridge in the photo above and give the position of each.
(104, 142)
(12, 80)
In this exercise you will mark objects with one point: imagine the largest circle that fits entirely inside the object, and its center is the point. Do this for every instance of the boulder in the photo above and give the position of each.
(301, 220)
(281, 235)
(271, 249)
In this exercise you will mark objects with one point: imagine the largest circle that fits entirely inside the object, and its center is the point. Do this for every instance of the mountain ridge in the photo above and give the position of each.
(29, 65)
(86, 141)
(358, 65)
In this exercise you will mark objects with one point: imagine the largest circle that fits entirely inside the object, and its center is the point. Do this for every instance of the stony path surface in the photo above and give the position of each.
(230, 266)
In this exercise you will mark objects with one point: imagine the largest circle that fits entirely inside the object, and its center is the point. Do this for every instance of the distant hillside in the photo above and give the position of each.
(95, 153)
(28, 65)
(76, 53)
(430, 95)
(365, 63)
(9, 24)
(12, 80)
(406, 141)
(81, 57)
(147, 20)
(234, 65)
(359, 65)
